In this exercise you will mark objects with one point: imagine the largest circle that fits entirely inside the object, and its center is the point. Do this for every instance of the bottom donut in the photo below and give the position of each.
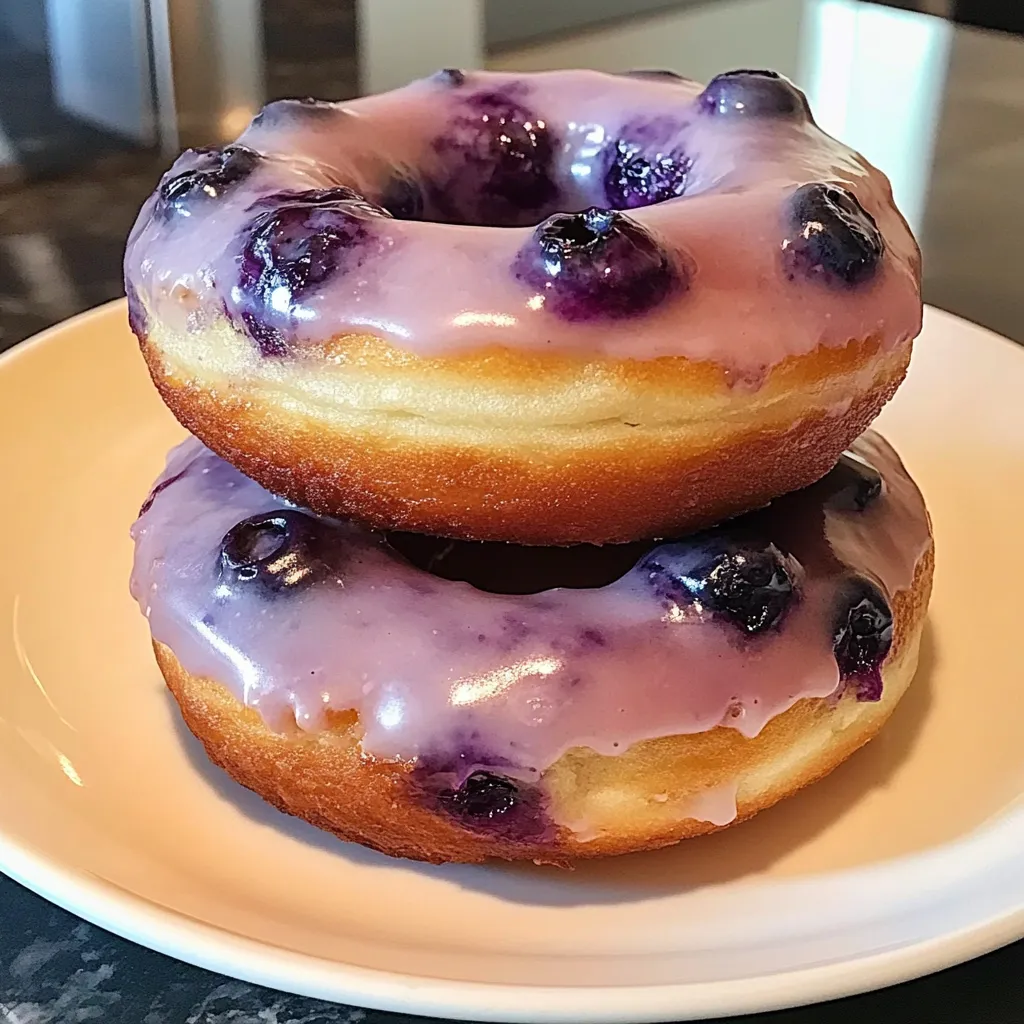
(565, 703)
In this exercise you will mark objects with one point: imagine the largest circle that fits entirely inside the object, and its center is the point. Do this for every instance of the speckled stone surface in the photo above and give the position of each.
(60, 250)
(59, 970)
(55, 969)
(61, 242)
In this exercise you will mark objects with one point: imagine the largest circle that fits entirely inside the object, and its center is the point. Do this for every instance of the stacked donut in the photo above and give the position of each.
(529, 510)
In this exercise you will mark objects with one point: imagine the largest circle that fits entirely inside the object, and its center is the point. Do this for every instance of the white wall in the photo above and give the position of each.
(26, 22)
(876, 79)
(100, 63)
(400, 40)
(508, 22)
(695, 41)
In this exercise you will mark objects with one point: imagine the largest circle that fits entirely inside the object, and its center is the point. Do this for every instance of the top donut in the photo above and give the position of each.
(544, 308)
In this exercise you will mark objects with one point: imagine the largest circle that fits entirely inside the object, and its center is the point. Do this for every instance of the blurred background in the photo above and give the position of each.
(97, 96)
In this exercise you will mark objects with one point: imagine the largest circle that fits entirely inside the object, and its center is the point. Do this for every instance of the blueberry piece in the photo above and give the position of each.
(594, 264)
(853, 483)
(281, 551)
(862, 635)
(635, 178)
(835, 240)
(482, 796)
(750, 586)
(213, 172)
(453, 77)
(753, 94)
(280, 112)
(494, 164)
(290, 250)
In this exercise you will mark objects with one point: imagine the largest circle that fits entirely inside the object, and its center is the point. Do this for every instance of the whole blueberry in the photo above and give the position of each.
(746, 93)
(213, 172)
(596, 264)
(299, 242)
(494, 164)
(482, 796)
(833, 239)
(275, 552)
(853, 484)
(862, 635)
(750, 586)
(636, 177)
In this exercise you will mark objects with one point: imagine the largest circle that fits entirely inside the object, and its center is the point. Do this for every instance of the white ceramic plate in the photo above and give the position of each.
(909, 858)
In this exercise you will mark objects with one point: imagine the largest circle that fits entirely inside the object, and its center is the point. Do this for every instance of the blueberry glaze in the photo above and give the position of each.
(470, 163)
(138, 321)
(659, 74)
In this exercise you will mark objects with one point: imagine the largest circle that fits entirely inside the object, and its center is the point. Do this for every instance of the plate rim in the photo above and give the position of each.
(137, 918)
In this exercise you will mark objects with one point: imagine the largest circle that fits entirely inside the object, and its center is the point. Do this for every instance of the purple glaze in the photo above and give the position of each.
(138, 320)
(465, 680)
(447, 287)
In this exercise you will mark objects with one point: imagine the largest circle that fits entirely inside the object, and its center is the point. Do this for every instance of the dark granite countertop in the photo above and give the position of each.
(56, 969)
(61, 238)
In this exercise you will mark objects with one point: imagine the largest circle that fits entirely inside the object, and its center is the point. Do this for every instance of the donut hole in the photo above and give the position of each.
(499, 162)
(463, 199)
(516, 569)
(492, 164)
(506, 182)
